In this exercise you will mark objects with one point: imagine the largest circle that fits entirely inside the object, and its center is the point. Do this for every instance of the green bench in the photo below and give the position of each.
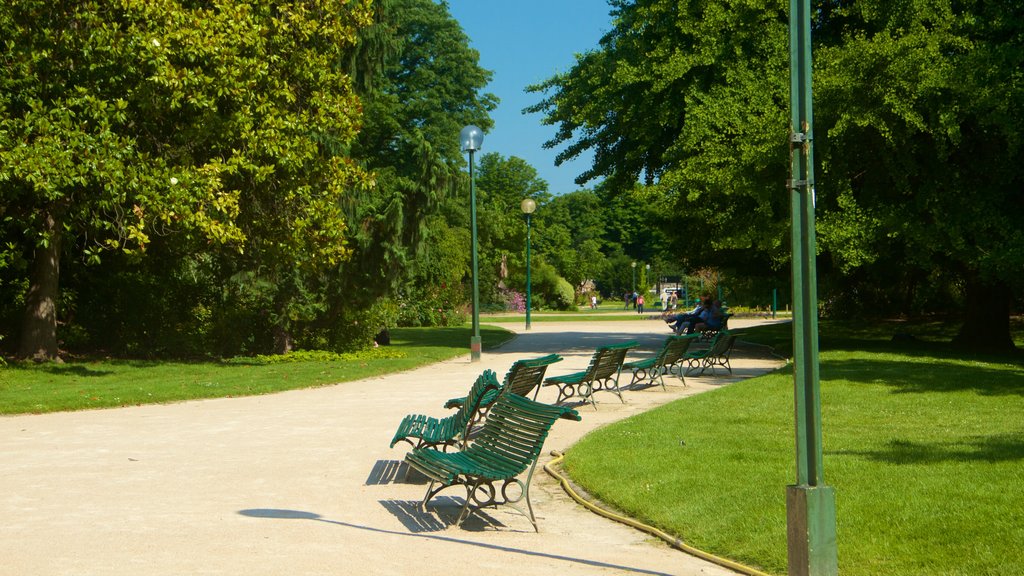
(524, 377)
(708, 333)
(420, 431)
(602, 374)
(667, 360)
(509, 444)
(716, 354)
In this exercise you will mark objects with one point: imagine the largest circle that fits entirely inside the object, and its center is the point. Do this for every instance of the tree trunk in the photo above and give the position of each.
(39, 325)
(283, 342)
(987, 325)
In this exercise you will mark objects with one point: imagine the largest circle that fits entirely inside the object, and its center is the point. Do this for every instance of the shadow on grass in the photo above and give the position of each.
(910, 338)
(448, 336)
(937, 376)
(994, 448)
(81, 370)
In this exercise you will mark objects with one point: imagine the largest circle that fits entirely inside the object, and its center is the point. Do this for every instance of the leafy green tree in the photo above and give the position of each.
(501, 185)
(420, 83)
(917, 138)
(217, 125)
(571, 236)
(921, 106)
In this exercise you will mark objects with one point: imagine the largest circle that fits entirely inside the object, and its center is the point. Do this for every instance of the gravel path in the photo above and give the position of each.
(303, 482)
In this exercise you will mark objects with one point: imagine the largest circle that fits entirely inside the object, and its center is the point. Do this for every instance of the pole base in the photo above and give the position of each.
(474, 348)
(811, 531)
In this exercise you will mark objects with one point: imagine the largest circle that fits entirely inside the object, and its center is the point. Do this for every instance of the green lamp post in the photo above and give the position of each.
(810, 503)
(471, 139)
(528, 206)
(633, 266)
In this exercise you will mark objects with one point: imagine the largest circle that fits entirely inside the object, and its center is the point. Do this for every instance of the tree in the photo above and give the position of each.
(922, 159)
(501, 185)
(126, 121)
(571, 236)
(916, 136)
(420, 83)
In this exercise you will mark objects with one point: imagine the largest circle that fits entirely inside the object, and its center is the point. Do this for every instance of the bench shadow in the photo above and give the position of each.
(281, 514)
(441, 513)
(394, 472)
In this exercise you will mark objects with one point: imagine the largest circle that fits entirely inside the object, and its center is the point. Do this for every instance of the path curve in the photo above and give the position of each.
(303, 482)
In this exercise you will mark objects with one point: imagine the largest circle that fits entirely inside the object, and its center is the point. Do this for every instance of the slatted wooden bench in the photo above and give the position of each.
(523, 378)
(602, 374)
(667, 360)
(509, 444)
(420, 431)
(708, 333)
(716, 354)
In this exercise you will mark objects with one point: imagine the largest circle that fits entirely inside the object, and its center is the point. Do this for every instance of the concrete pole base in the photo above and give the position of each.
(811, 531)
(474, 348)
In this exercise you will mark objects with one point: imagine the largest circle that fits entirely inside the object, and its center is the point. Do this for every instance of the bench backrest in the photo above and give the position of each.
(526, 375)
(607, 360)
(674, 349)
(513, 434)
(722, 343)
(486, 383)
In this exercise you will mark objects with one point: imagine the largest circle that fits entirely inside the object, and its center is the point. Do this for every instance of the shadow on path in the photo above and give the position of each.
(279, 514)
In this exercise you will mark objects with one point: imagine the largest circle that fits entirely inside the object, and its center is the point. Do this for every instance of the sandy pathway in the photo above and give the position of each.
(303, 482)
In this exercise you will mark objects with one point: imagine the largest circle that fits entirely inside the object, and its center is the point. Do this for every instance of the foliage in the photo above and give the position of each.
(550, 290)
(213, 128)
(513, 301)
(922, 158)
(351, 329)
(436, 306)
(571, 235)
(436, 296)
(918, 186)
(379, 353)
(201, 167)
(501, 185)
(420, 83)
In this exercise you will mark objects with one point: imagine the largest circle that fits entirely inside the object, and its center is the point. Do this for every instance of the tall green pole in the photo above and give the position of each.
(810, 504)
(474, 341)
(528, 300)
(471, 139)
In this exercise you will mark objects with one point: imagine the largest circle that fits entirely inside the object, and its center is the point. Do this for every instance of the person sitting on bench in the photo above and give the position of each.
(679, 321)
(714, 319)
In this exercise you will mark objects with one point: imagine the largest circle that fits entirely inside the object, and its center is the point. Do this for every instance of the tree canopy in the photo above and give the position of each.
(126, 123)
(919, 109)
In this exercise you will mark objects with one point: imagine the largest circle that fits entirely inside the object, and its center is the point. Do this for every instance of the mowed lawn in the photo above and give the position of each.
(110, 382)
(923, 445)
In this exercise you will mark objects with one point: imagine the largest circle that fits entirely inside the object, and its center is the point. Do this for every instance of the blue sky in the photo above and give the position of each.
(524, 42)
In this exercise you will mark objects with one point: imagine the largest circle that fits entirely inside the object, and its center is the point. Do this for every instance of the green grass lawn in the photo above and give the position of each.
(923, 445)
(106, 383)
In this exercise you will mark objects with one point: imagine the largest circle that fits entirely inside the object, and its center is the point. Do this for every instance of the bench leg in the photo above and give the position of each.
(430, 494)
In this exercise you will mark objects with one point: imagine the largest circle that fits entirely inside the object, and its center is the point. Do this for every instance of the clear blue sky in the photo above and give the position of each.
(523, 42)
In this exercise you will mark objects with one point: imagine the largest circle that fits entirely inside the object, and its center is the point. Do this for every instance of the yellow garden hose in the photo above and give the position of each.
(671, 540)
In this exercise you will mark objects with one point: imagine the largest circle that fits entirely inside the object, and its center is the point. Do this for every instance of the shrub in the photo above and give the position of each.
(441, 306)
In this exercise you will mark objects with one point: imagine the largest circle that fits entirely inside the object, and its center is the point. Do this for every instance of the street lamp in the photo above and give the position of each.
(471, 139)
(810, 503)
(528, 206)
(633, 265)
